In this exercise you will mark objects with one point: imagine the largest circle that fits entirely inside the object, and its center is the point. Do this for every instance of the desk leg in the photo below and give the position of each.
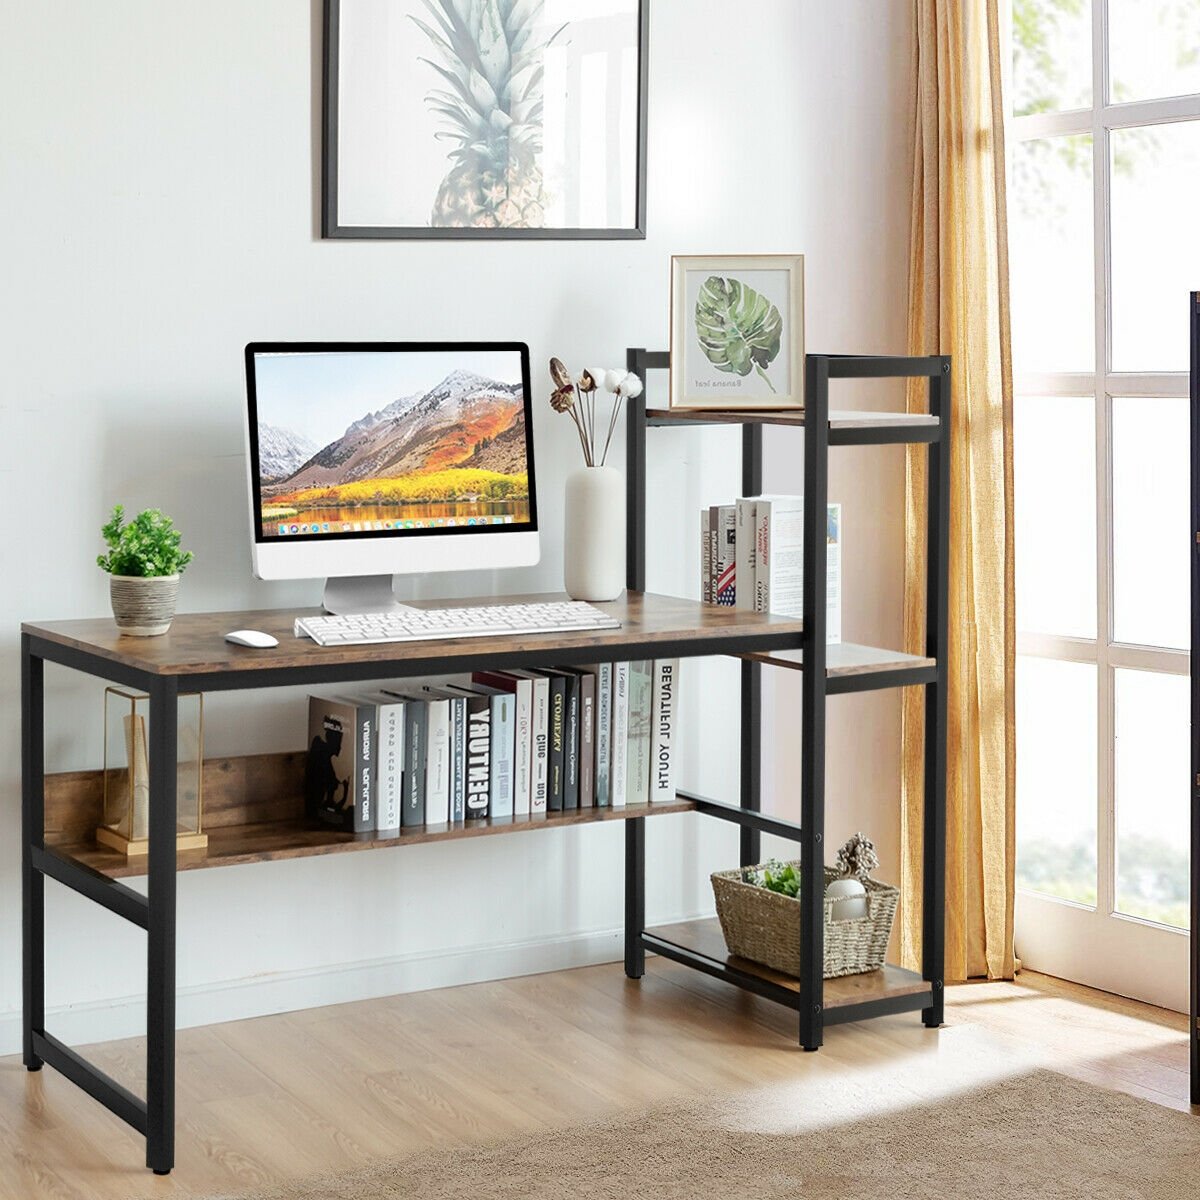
(160, 964)
(635, 896)
(33, 834)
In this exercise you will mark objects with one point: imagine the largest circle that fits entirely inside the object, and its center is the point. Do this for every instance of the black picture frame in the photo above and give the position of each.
(331, 228)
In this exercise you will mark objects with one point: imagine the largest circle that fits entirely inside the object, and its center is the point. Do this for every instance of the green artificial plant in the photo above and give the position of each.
(147, 546)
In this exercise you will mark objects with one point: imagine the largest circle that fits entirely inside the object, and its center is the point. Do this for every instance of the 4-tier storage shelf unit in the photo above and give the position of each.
(254, 806)
(825, 671)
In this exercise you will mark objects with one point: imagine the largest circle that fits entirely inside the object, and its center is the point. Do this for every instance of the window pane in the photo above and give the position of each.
(1155, 244)
(1154, 48)
(1055, 498)
(1153, 717)
(1151, 582)
(1050, 247)
(1052, 55)
(1056, 778)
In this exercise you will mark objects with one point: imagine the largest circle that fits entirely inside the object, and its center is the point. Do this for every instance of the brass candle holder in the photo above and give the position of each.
(126, 823)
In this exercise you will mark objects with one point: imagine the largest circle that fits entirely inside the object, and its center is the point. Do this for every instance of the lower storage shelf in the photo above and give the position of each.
(701, 944)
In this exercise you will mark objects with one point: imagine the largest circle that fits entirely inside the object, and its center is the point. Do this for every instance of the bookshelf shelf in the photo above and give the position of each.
(268, 841)
(701, 944)
(825, 671)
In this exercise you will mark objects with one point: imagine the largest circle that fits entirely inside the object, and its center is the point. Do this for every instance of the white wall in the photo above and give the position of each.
(158, 204)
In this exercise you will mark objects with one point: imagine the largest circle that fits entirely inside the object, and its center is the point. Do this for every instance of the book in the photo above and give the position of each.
(637, 778)
(478, 752)
(389, 783)
(556, 732)
(500, 786)
(620, 735)
(706, 590)
(458, 758)
(780, 549)
(745, 530)
(331, 771)
(438, 755)
(540, 740)
(412, 811)
(604, 708)
(663, 737)
(586, 733)
(521, 687)
(571, 741)
(724, 568)
(366, 750)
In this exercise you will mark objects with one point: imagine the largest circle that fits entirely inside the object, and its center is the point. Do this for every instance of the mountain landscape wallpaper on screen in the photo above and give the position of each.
(455, 451)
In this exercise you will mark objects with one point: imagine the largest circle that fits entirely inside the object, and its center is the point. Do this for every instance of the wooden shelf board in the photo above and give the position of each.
(704, 937)
(846, 658)
(269, 840)
(795, 416)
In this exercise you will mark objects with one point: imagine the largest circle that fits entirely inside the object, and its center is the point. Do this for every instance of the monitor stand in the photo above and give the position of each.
(360, 594)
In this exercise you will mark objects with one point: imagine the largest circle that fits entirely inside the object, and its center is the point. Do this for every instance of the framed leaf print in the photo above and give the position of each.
(485, 118)
(737, 332)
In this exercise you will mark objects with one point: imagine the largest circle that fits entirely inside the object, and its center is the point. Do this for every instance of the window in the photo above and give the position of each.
(1104, 236)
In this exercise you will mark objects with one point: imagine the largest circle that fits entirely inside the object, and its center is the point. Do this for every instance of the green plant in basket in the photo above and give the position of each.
(775, 876)
(147, 546)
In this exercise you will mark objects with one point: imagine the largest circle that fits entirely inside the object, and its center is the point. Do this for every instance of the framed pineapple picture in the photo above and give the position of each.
(485, 119)
(737, 332)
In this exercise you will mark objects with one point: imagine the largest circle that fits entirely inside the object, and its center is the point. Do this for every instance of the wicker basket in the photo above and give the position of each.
(764, 926)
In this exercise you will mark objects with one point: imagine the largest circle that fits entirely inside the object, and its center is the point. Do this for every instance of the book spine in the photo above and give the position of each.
(329, 773)
(391, 769)
(479, 755)
(366, 749)
(541, 745)
(725, 563)
(437, 762)
(587, 740)
(833, 578)
(663, 735)
(604, 706)
(744, 551)
(706, 555)
(637, 784)
(558, 742)
(414, 764)
(762, 543)
(458, 758)
(571, 745)
(620, 734)
(500, 789)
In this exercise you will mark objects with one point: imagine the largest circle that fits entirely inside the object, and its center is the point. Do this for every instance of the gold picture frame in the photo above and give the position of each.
(737, 332)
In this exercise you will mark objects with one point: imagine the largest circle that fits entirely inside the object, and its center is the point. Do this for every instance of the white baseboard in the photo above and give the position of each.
(263, 995)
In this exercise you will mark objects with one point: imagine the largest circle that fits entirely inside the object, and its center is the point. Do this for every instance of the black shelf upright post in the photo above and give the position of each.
(752, 675)
(812, 701)
(1194, 934)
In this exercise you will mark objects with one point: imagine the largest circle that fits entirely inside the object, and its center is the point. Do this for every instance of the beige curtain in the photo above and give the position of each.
(959, 306)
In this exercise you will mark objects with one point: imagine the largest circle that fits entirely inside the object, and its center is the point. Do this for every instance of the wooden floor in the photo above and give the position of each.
(329, 1089)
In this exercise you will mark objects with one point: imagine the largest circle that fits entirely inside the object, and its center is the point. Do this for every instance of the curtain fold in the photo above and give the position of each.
(959, 305)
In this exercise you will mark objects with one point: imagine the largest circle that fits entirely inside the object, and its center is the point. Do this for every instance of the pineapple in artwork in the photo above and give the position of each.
(490, 54)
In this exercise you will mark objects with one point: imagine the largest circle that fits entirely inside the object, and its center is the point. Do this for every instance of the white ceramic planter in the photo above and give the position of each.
(594, 537)
(143, 606)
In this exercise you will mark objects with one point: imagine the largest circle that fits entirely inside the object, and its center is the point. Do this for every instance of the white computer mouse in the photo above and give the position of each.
(253, 638)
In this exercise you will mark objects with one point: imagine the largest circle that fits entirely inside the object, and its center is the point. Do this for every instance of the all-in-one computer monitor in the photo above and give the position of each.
(372, 459)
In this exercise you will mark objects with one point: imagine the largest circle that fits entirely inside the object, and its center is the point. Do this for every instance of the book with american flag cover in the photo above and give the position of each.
(723, 520)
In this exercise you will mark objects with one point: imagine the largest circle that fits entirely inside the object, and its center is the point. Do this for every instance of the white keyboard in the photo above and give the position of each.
(434, 624)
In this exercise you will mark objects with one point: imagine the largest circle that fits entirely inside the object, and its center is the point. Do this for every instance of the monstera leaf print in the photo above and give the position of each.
(739, 329)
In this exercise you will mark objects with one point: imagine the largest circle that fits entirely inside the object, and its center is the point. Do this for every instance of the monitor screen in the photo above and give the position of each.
(380, 440)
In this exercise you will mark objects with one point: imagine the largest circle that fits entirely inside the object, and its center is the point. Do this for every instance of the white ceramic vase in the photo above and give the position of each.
(594, 537)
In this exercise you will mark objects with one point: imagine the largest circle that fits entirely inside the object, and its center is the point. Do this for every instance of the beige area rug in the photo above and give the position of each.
(1035, 1135)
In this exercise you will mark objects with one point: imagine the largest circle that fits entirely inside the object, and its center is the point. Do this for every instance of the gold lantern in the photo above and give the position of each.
(127, 773)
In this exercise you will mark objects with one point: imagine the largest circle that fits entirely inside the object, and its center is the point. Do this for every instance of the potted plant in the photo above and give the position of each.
(594, 547)
(144, 563)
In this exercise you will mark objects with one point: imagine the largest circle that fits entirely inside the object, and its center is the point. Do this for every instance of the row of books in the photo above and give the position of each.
(752, 556)
(507, 744)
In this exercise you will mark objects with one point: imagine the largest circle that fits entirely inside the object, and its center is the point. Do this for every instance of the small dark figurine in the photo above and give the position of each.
(321, 783)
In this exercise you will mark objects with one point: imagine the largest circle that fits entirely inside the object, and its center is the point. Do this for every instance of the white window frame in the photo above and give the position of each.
(1102, 385)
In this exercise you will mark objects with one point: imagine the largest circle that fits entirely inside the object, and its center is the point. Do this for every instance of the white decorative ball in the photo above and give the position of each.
(849, 899)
